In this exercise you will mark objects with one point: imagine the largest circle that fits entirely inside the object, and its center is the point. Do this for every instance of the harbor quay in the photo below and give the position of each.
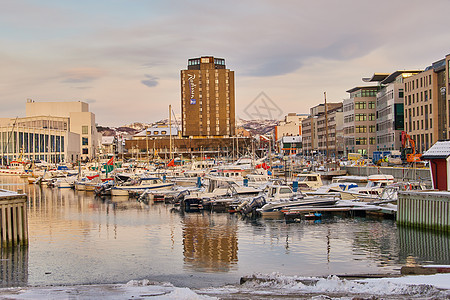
(399, 173)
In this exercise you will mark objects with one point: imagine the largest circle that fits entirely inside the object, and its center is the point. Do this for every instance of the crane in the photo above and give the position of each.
(409, 153)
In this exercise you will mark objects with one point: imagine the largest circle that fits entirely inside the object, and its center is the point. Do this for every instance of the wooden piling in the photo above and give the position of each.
(14, 222)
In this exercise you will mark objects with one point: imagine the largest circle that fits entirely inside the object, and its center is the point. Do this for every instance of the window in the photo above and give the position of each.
(371, 104)
(84, 129)
(85, 151)
(360, 129)
(361, 141)
(360, 117)
(372, 117)
(360, 105)
(85, 141)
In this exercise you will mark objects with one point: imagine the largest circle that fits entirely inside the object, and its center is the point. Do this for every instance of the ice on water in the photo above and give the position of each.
(272, 285)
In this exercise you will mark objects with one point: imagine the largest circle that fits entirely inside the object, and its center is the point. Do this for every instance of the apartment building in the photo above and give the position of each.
(390, 108)
(290, 126)
(330, 139)
(425, 106)
(359, 112)
(309, 135)
(314, 130)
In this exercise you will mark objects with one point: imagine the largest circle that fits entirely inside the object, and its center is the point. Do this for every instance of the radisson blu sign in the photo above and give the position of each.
(191, 78)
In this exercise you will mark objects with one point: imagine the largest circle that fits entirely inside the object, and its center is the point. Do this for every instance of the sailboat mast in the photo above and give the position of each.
(170, 132)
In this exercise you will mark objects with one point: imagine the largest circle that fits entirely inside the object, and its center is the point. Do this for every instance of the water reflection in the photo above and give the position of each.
(210, 243)
(77, 238)
(375, 240)
(14, 267)
(424, 246)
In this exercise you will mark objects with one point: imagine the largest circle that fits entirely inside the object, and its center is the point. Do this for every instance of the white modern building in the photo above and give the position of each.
(50, 131)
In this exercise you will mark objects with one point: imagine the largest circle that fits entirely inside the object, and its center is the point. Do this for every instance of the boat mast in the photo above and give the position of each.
(326, 122)
(170, 132)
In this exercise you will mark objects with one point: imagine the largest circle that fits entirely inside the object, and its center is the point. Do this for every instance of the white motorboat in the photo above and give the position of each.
(373, 189)
(281, 197)
(140, 186)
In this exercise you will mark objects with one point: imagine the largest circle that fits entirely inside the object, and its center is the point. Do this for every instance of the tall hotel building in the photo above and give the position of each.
(207, 98)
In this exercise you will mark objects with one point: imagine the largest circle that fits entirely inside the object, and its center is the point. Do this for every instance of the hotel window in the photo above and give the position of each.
(84, 129)
(360, 129)
(372, 141)
(85, 151)
(372, 128)
(421, 110)
(372, 117)
(431, 123)
(85, 141)
(426, 95)
(421, 123)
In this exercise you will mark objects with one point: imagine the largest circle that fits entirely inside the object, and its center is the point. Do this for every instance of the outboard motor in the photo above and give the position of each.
(256, 203)
(180, 197)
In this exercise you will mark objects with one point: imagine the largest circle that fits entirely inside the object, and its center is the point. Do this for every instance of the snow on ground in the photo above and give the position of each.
(273, 286)
(142, 289)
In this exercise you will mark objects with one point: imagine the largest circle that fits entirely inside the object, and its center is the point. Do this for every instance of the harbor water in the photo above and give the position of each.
(76, 238)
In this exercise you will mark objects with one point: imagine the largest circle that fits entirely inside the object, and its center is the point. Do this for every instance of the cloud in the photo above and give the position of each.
(82, 75)
(151, 81)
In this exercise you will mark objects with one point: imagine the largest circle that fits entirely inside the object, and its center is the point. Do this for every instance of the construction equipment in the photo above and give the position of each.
(409, 154)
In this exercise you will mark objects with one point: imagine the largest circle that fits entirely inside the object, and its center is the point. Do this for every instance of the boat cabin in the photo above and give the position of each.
(310, 181)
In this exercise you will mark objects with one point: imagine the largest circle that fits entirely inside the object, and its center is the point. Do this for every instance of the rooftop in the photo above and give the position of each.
(440, 150)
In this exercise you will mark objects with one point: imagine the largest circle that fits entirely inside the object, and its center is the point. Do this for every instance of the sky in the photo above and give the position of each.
(124, 57)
